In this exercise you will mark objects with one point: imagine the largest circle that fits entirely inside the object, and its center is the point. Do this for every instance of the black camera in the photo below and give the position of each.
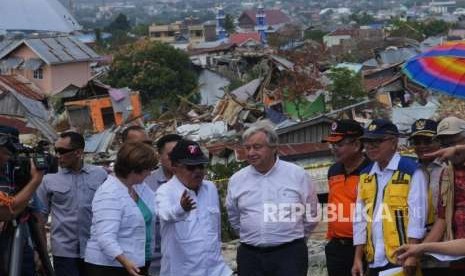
(20, 165)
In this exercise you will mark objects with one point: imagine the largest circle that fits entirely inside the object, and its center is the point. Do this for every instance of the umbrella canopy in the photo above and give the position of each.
(441, 69)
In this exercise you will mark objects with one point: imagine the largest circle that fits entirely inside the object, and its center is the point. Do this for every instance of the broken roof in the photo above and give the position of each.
(246, 91)
(52, 50)
(21, 85)
(284, 62)
(36, 15)
(393, 55)
(18, 99)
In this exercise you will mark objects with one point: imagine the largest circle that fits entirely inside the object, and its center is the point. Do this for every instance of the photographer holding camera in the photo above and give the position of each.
(11, 204)
(16, 258)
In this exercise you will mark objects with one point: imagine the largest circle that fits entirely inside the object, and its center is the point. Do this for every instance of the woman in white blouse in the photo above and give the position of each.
(123, 208)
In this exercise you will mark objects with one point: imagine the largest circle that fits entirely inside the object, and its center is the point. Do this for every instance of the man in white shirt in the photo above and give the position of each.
(189, 213)
(272, 206)
(391, 203)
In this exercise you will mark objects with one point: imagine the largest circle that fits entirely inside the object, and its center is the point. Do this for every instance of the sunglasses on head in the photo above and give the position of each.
(62, 151)
(193, 167)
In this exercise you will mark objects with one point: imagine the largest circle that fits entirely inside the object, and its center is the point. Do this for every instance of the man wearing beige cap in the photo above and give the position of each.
(450, 221)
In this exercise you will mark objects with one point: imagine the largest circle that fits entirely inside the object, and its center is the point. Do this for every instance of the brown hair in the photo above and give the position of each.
(134, 157)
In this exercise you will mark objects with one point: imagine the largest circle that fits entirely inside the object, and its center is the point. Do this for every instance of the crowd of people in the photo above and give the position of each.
(155, 213)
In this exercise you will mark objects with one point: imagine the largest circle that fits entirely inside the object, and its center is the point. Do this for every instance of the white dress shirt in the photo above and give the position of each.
(118, 226)
(417, 204)
(262, 208)
(190, 241)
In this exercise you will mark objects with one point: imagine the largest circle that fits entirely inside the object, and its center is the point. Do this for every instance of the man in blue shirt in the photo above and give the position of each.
(67, 196)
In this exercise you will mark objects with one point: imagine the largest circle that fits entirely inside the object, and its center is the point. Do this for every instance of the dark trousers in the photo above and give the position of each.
(101, 270)
(339, 257)
(69, 266)
(290, 259)
(376, 270)
(28, 264)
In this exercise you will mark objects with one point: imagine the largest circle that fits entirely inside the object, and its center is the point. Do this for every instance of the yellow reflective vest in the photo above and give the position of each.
(394, 207)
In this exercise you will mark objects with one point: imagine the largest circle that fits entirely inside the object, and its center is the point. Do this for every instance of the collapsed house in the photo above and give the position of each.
(23, 106)
(98, 106)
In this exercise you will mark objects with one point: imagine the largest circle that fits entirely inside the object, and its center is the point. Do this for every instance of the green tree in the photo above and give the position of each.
(362, 18)
(419, 30)
(98, 37)
(141, 30)
(408, 29)
(316, 35)
(120, 23)
(346, 88)
(229, 24)
(436, 27)
(159, 71)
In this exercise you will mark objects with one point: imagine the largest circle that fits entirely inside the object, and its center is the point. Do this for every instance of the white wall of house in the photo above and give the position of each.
(333, 40)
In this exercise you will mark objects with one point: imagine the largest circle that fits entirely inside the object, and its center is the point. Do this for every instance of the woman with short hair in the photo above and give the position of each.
(123, 210)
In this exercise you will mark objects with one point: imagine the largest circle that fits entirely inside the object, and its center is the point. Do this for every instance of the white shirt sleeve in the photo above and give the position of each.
(311, 201)
(233, 211)
(166, 209)
(359, 222)
(107, 215)
(418, 205)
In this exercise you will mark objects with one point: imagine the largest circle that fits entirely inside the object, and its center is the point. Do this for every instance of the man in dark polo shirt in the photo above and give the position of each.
(343, 179)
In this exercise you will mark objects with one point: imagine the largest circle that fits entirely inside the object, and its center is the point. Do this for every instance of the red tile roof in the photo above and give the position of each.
(240, 38)
(20, 124)
(20, 85)
(273, 17)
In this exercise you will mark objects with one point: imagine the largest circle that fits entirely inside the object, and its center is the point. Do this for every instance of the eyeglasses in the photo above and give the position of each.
(375, 143)
(62, 151)
(193, 167)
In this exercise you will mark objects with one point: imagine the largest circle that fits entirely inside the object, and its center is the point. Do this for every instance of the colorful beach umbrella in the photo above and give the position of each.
(441, 68)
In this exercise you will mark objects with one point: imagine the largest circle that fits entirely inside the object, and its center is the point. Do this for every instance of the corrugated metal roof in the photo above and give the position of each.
(20, 104)
(36, 15)
(53, 50)
(19, 123)
(99, 142)
(20, 85)
(393, 56)
(246, 91)
(284, 62)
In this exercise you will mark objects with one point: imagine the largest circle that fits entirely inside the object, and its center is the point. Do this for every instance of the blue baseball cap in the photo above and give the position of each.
(424, 127)
(378, 129)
